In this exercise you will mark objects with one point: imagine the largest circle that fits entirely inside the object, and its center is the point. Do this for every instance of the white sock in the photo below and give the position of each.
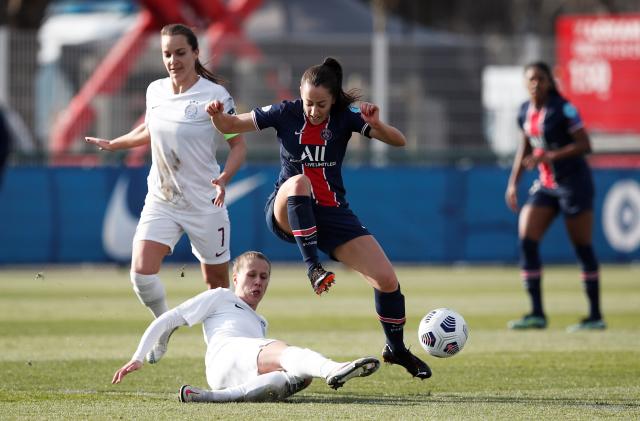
(150, 291)
(274, 386)
(303, 362)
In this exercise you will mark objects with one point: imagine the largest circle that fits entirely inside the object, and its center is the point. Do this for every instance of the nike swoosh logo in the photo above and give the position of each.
(119, 225)
(190, 392)
(298, 133)
(220, 254)
(239, 189)
(239, 307)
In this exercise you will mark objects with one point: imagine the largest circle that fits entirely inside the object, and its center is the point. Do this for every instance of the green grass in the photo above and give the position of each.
(63, 334)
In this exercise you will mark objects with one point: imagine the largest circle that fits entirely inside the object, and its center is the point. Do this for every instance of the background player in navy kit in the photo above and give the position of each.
(555, 141)
(308, 206)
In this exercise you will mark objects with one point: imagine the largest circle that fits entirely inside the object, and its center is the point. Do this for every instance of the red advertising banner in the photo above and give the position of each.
(599, 69)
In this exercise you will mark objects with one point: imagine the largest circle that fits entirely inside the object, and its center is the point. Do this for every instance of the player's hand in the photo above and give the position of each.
(102, 144)
(530, 162)
(215, 108)
(220, 186)
(370, 113)
(537, 157)
(511, 197)
(126, 369)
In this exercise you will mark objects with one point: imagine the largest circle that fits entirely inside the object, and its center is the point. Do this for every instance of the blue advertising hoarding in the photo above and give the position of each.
(437, 215)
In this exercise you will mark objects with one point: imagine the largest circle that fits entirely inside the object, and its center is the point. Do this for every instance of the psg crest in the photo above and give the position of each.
(326, 134)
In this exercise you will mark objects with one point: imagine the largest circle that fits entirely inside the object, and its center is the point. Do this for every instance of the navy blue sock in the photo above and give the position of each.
(303, 225)
(590, 278)
(390, 309)
(532, 274)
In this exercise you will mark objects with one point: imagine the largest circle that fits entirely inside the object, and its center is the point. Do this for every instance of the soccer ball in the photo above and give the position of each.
(443, 332)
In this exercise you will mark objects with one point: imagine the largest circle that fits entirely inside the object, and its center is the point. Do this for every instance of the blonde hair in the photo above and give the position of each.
(246, 257)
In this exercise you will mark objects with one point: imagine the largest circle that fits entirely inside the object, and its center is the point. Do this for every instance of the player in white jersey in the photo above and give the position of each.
(241, 364)
(186, 189)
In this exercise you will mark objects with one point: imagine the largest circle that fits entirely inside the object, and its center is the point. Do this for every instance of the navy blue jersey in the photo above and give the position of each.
(316, 151)
(548, 129)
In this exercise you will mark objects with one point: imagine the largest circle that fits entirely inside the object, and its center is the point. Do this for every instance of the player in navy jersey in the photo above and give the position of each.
(555, 141)
(308, 206)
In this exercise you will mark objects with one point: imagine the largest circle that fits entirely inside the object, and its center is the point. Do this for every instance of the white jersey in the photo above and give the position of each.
(183, 144)
(223, 315)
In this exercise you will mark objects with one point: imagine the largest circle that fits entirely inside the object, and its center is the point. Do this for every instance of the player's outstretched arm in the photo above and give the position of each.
(129, 367)
(137, 137)
(229, 123)
(165, 323)
(380, 130)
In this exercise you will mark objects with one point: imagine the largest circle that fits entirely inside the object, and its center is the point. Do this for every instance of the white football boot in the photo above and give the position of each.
(361, 367)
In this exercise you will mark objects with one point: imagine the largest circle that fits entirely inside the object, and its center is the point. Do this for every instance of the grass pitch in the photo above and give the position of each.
(65, 330)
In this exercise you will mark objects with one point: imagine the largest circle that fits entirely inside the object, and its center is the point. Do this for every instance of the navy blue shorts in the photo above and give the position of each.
(571, 198)
(335, 226)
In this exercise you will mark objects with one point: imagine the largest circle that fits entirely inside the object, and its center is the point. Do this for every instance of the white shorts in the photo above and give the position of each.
(233, 361)
(208, 233)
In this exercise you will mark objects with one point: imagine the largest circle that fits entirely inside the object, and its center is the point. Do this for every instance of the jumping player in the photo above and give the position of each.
(555, 141)
(241, 364)
(308, 206)
(186, 189)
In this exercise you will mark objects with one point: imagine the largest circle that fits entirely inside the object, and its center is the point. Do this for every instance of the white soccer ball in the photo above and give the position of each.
(443, 332)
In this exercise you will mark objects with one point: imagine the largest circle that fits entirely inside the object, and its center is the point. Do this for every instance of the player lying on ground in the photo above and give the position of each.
(241, 364)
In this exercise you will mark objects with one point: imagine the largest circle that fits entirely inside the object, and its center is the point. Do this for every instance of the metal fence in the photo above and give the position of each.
(435, 89)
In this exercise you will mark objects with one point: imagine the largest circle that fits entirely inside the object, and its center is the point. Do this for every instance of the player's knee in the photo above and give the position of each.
(217, 279)
(216, 282)
(147, 287)
(387, 282)
(298, 185)
(138, 265)
(147, 256)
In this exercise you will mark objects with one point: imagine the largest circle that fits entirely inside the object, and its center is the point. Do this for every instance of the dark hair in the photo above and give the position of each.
(180, 29)
(329, 75)
(544, 68)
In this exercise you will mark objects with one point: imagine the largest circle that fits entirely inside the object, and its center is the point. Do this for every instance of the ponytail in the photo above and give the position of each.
(329, 75)
(206, 73)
